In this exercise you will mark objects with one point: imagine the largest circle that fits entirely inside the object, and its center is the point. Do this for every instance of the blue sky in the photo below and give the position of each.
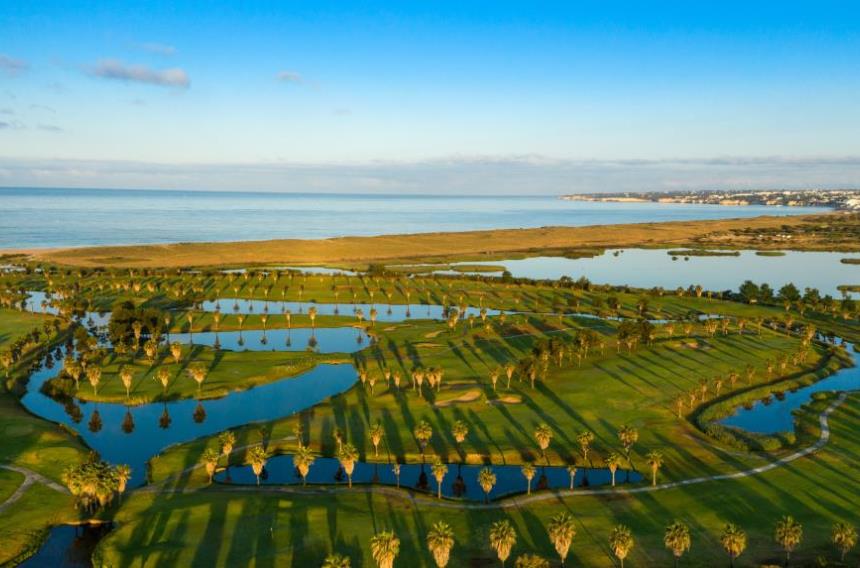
(509, 97)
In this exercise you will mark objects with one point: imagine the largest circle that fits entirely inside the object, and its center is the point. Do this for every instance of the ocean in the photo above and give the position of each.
(39, 217)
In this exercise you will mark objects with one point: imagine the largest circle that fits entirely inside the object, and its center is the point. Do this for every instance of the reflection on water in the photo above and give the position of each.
(320, 340)
(646, 268)
(384, 312)
(460, 481)
(132, 435)
(776, 415)
(68, 546)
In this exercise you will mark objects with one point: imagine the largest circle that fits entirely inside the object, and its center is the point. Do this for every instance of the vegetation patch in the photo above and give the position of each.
(700, 252)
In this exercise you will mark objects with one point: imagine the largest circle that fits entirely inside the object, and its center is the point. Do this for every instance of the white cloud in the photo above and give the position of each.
(458, 175)
(158, 48)
(113, 69)
(289, 77)
(12, 66)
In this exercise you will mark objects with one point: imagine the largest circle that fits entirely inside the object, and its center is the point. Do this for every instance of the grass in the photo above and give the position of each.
(15, 324)
(228, 371)
(38, 445)
(405, 248)
(215, 527)
(24, 523)
(608, 391)
(9, 482)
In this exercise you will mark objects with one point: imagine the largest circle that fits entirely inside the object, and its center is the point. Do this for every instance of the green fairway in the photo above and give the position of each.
(215, 527)
(572, 372)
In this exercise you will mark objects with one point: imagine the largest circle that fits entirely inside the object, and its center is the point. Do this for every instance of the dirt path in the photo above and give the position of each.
(30, 477)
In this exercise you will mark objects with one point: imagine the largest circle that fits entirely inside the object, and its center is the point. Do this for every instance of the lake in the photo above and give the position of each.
(646, 268)
(39, 217)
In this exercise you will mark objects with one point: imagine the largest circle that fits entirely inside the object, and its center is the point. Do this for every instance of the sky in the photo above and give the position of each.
(431, 96)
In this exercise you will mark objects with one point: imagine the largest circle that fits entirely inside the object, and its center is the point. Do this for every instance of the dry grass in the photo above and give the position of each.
(472, 244)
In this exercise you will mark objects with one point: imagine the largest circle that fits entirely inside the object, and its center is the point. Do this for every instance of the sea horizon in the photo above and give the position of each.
(71, 217)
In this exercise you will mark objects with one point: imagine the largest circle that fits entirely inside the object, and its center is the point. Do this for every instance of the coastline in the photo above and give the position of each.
(466, 245)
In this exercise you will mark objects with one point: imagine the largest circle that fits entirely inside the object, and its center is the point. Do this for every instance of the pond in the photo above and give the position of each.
(133, 434)
(461, 481)
(68, 546)
(385, 312)
(646, 268)
(40, 303)
(776, 415)
(321, 340)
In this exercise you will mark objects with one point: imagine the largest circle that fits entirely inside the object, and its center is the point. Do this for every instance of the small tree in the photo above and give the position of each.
(621, 542)
(788, 534)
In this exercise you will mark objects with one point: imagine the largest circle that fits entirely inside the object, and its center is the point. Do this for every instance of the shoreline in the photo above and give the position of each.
(469, 245)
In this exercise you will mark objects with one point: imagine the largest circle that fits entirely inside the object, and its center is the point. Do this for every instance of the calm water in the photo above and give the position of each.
(66, 217)
(461, 481)
(320, 340)
(68, 546)
(646, 268)
(132, 435)
(776, 416)
(384, 312)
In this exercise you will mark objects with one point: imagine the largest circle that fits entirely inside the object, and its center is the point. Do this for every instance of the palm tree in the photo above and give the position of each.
(257, 457)
(621, 542)
(460, 430)
(612, 461)
(335, 560)
(423, 432)
(123, 474)
(439, 470)
(176, 351)
(561, 532)
(486, 479)
(788, 535)
(628, 436)
(395, 469)
(303, 459)
(312, 313)
(126, 376)
(72, 368)
(94, 376)
(543, 435)
(531, 561)
(844, 536)
(347, 456)
(210, 461)
(571, 471)
(655, 460)
(163, 376)
(503, 537)
(376, 434)
(227, 440)
(440, 541)
(585, 439)
(509, 372)
(198, 372)
(528, 470)
(677, 539)
(384, 547)
(734, 541)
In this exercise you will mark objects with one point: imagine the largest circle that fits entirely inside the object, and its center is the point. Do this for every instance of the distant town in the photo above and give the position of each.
(839, 199)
